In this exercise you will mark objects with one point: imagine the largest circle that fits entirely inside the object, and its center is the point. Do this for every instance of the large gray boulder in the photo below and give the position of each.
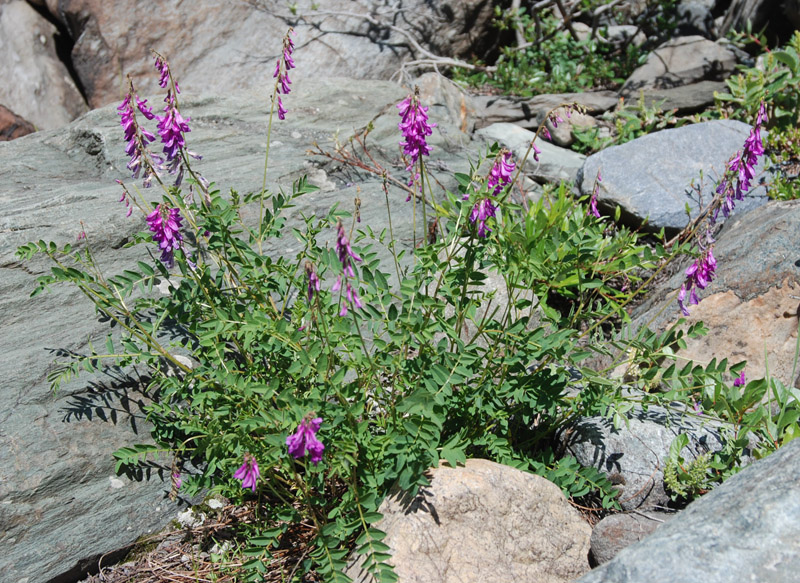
(744, 530)
(650, 178)
(217, 47)
(483, 522)
(61, 504)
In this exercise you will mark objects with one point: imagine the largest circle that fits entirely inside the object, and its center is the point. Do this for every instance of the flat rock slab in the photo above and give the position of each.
(650, 178)
(483, 522)
(61, 505)
(744, 530)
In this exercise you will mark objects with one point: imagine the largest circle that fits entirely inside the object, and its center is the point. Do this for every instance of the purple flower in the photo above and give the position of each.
(305, 440)
(346, 253)
(165, 223)
(177, 481)
(698, 275)
(137, 137)
(171, 128)
(740, 169)
(163, 67)
(282, 111)
(482, 210)
(415, 128)
(740, 380)
(313, 281)
(501, 171)
(282, 67)
(593, 200)
(248, 472)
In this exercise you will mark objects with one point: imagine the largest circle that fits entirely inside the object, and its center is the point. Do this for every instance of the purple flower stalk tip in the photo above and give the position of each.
(304, 439)
(593, 200)
(248, 472)
(346, 253)
(740, 380)
(137, 137)
(282, 67)
(415, 128)
(313, 281)
(165, 223)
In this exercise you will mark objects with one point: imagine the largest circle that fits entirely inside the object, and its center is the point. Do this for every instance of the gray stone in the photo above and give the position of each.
(618, 531)
(61, 506)
(483, 522)
(530, 112)
(634, 455)
(36, 85)
(651, 177)
(684, 99)
(681, 61)
(744, 530)
(555, 164)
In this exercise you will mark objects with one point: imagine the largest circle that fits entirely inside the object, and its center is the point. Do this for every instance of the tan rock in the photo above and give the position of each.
(747, 330)
(563, 135)
(485, 523)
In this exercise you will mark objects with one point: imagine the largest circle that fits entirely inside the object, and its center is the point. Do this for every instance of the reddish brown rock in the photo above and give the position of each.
(13, 126)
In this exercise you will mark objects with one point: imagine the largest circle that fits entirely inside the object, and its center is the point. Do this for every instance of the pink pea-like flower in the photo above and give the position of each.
(248, 472)
(304, 440)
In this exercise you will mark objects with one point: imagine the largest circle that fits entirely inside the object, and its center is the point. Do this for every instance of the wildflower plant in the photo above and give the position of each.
(306, 385)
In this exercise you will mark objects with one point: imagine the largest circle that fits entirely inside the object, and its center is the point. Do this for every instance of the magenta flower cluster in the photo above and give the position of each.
(346, 253)
(740, 170)
(171, 126)
(137, 138)
(499, 177)
(699, 275)
(165, 223)
(415, 128)
(304, 440)
(282, 67)
(736, 181)
(248, 472)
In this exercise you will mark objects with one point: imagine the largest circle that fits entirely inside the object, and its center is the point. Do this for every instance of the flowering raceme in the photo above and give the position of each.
(305, 440)
(248, 472)
(137, 137)
(282, 67)
(739, 171)
(415, 128)
(165, 223)
(499, 177)
(345, 253)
